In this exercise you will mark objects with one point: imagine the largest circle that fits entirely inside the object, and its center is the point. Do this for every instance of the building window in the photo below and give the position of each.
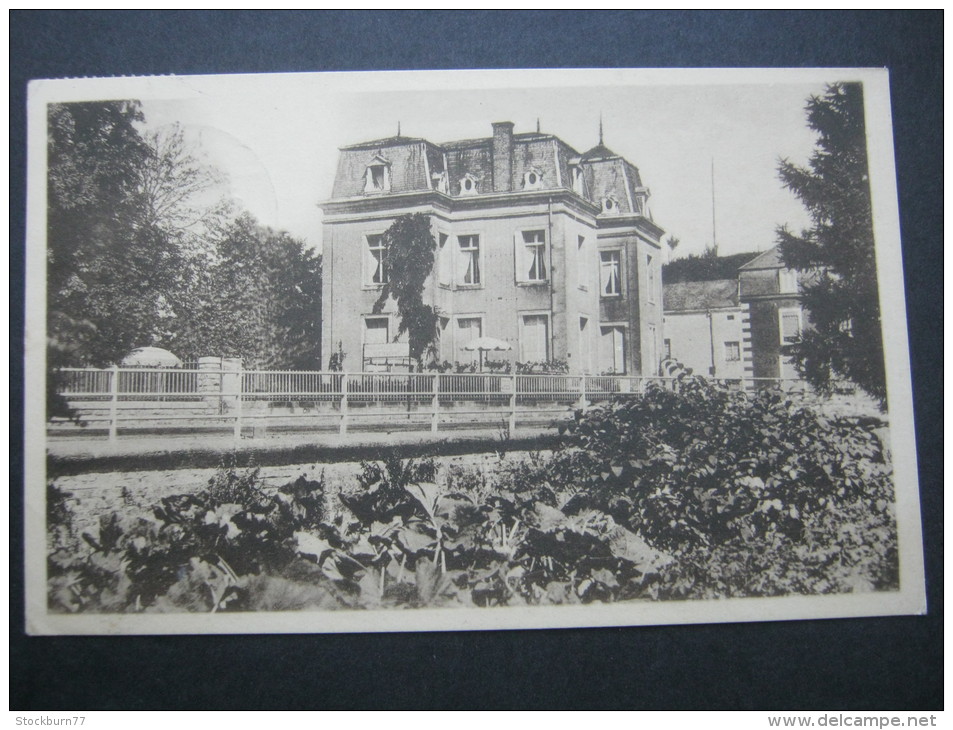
(532, 180)
(789, 323)
(612, 350)
(468, 185)
(377, 176)
(439, 180)
(610, 205)
(376, 331)
(469, 260)
(732, 351)
(610, 273)
(468, 329)
(787, 281)
(578, 185)
(535, 247)
(667, 348)
(534, 338)
(790, 320)
(375, 268)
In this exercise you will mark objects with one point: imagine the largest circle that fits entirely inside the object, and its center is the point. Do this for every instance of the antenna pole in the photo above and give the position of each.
(714, 239)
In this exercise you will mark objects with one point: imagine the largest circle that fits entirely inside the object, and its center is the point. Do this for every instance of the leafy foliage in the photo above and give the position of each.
(410, 247)
(705, 267)
(693, 493)
(107, 267)
(750, 494)
(846, 339)
(258, 298)
(142, 250)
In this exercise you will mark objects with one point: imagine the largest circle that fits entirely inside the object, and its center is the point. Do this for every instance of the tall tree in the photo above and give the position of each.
(181, 192)
(845, 340)
(257, 297)
(410, 246)
(107, 268)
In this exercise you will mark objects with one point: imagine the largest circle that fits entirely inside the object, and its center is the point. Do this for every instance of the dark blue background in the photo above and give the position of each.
(878, 663)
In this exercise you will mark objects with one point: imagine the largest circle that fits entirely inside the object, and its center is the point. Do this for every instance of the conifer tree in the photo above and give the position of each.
(845, 339)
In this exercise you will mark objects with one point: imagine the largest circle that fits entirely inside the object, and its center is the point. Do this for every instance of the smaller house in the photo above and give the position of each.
(707, 328)
(772, 293)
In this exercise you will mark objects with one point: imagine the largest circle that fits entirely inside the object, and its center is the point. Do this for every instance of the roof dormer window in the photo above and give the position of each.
(377, 176)
(610, 205)
(468, 185)
(578, 185)
(532, 179)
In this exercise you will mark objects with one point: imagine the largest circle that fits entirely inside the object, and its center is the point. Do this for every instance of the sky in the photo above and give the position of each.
(277, 137)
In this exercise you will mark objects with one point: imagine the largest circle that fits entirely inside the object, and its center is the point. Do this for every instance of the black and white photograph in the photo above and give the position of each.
(461, 350)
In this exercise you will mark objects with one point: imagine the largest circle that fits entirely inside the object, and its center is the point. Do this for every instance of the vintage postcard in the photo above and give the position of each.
(465, 350)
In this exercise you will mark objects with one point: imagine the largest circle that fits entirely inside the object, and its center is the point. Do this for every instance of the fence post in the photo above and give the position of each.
(114, 403)
(238, 404)
(343, 428)
(582, 391)
(512, 425)
(435, 417)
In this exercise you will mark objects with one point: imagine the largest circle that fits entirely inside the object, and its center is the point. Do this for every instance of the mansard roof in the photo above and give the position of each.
(418, 165)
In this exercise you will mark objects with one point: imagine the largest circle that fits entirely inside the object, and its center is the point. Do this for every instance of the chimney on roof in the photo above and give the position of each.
(502, 157)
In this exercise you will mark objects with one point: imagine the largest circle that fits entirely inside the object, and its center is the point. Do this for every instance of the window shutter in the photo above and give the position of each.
(519, 257)
(367, 262)
(443, 264)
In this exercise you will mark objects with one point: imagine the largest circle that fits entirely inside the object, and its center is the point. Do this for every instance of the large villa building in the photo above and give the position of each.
(550, 250)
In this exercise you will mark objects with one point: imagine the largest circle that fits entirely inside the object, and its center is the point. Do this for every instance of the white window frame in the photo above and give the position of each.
(530, 253)
(369, 187)
(623, 328)
(800, 322)
(727, 350)
(364, 320)
(456, 331)
(474, 187)
(368, 260)
(620, 275)
(549, 332)
(459, 257)
(610, 205)
(578, 180)
(784, 360)
(531, 184)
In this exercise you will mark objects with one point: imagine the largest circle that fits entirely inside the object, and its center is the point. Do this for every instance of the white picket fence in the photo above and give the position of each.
(250, 402)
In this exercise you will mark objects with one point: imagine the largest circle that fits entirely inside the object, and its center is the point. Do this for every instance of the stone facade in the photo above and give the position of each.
(551, 250)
